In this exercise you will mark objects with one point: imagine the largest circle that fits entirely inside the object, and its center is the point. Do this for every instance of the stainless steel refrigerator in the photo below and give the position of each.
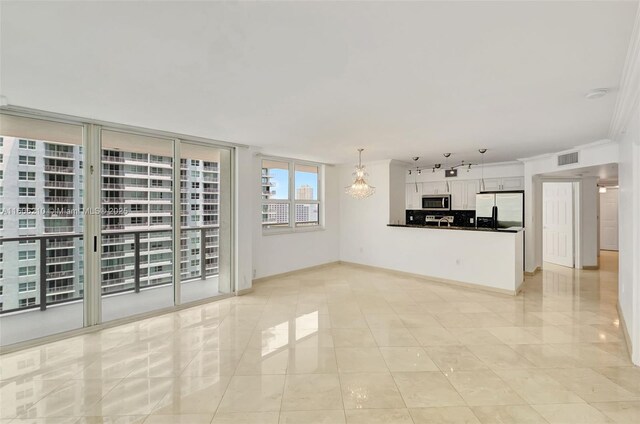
(500, 209)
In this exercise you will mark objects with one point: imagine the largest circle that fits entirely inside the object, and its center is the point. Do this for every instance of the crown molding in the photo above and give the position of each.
(629, 92)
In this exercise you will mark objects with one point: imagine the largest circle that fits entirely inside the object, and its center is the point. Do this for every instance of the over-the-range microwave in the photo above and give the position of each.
(436, 202)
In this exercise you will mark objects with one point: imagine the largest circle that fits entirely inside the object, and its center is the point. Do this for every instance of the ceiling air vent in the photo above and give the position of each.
(568, 159)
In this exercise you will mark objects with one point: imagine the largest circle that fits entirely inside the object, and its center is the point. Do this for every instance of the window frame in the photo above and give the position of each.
(292, 227)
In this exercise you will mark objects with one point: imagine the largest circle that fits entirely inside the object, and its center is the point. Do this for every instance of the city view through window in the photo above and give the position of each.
(41, 198)
(278, 197)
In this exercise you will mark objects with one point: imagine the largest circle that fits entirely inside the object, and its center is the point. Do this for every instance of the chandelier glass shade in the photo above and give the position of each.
(360, 189)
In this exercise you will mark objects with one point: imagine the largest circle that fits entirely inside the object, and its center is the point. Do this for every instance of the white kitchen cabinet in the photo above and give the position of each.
(504, 184)
(434, 187)
(513, 183)
(413, 196)
(458, 194)
(472, 187)
(463, 193)
(492, 184)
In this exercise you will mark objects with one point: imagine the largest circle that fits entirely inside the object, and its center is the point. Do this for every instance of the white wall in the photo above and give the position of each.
(629, 232)
(589, 229)
(245, 214)
(278, 253)
(397, 198)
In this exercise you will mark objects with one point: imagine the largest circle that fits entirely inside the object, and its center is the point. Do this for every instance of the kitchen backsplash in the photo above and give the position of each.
(461, 218)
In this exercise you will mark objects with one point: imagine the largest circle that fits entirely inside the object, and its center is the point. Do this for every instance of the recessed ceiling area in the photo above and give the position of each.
(607, 174)
(318, 80)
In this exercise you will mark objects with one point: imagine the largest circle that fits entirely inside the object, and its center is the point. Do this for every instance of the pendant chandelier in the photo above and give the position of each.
(360, 189)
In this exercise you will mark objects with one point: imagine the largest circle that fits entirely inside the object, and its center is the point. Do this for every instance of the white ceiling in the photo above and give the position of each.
(607, 174)
(317, 80)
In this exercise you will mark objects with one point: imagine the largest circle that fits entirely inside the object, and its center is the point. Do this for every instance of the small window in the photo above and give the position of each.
(26, 160)
(27, 223)
(26, 255)
(26, 176)
(27, 144)
(290, 201)
(26, 191)
(24, 303)
(24, 271)
(27, 287)
(26, 207)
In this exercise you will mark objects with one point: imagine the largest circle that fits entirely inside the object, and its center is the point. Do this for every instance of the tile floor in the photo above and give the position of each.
(347, 345)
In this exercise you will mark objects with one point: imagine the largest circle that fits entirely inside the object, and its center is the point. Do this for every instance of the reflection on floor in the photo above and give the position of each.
(343, 344)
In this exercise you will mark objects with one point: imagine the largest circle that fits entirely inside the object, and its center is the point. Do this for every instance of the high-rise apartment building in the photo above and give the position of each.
(274, 213)
(304, 192)
(41, 194)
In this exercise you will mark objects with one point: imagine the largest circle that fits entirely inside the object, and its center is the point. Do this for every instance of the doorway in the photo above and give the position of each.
(609, 218)
(558, 223)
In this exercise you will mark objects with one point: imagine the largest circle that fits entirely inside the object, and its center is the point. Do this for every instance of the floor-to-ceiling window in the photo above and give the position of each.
(41, 228)
(136, 264)
(158, 220)
(204, 221)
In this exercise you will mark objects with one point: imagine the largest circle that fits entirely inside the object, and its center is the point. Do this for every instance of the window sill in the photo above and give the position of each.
(292, 231)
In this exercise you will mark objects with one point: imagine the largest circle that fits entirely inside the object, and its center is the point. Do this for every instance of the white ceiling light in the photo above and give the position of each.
(596, 93)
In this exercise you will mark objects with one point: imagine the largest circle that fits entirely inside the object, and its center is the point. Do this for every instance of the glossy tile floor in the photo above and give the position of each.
(347, 345)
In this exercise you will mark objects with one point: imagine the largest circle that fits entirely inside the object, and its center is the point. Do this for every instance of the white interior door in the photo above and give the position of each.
(558, 223)
(609, 219)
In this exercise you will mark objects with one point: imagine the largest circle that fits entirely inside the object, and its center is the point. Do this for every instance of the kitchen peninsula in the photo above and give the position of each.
(483, 257)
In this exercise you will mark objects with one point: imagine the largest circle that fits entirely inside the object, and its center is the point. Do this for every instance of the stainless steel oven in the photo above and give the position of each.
(436, 202)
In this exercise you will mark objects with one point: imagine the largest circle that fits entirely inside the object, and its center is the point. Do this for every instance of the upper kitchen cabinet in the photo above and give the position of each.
(463, 194)
(513, 183)
(504, 184)
(434, 187)
(414, 195)
(472, 188)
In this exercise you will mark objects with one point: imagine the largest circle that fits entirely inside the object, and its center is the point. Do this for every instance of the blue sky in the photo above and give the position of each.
(281, 180)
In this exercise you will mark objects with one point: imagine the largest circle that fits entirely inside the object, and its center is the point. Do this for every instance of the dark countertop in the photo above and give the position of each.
(452, 228)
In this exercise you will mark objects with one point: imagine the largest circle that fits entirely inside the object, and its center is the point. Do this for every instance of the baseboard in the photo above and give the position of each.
(438, 280)
(295, 271)
(623, 324)
(591, 267)
(244, 291)
(532, 273)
